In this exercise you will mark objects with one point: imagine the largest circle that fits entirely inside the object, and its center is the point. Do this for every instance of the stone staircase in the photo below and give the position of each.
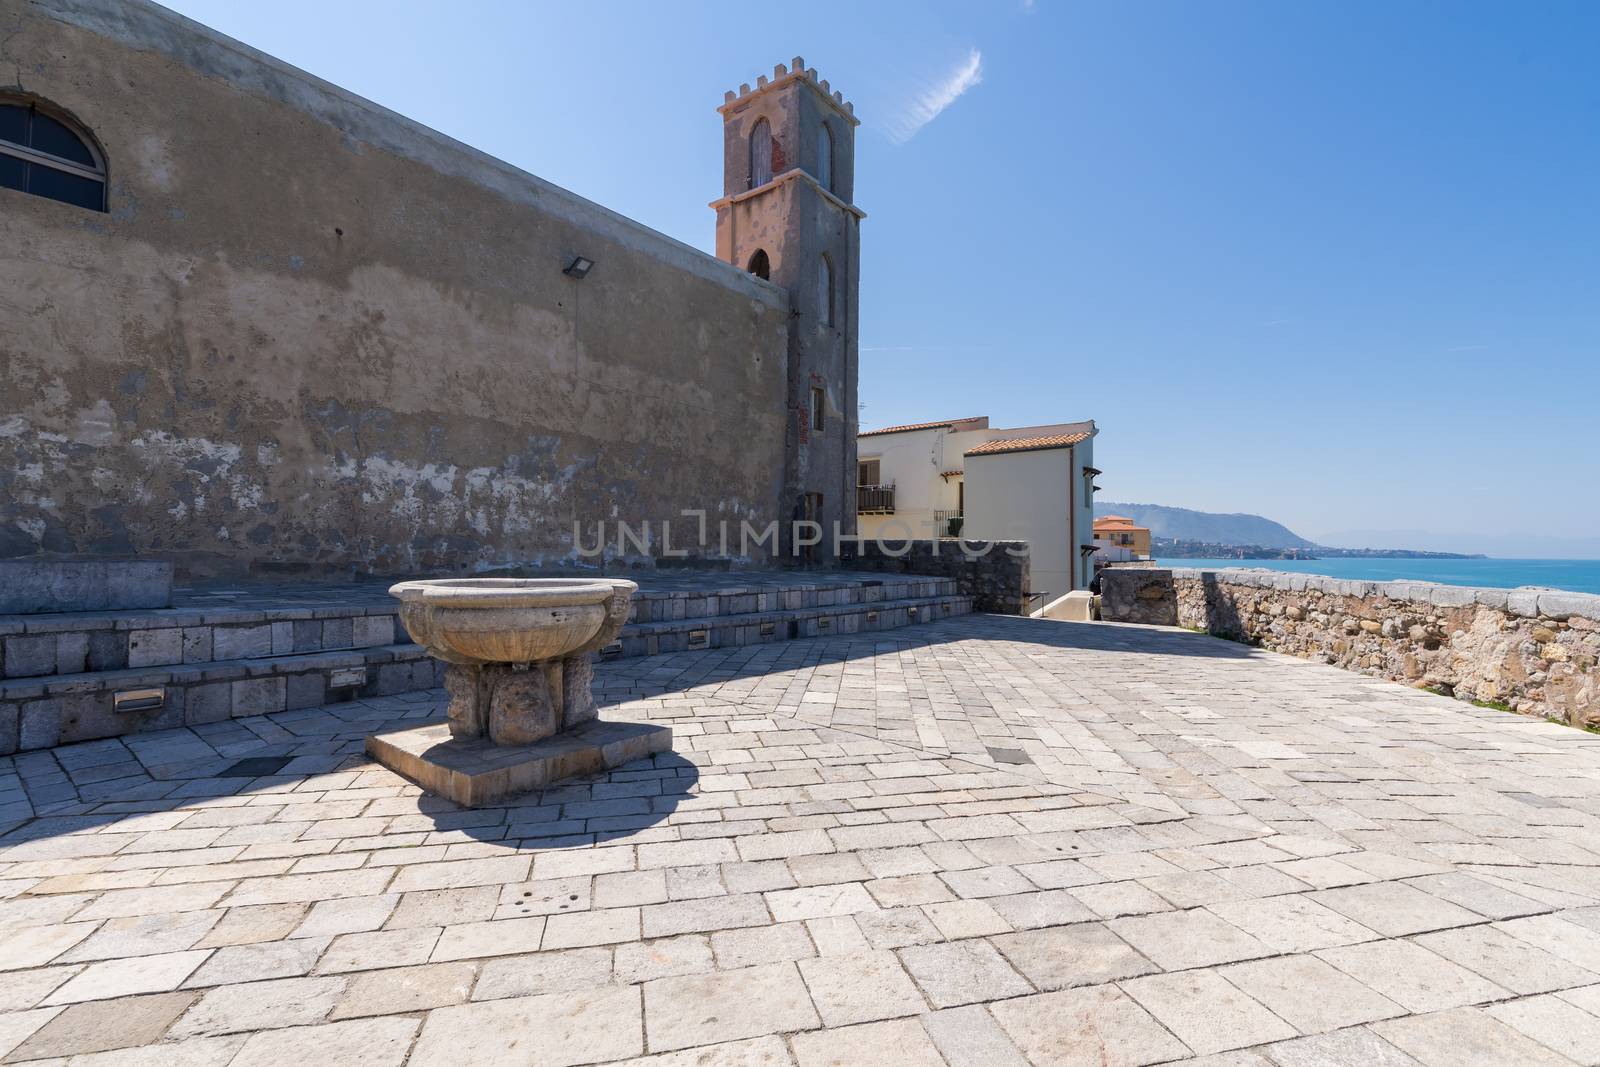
(225, 653)
(749, 613)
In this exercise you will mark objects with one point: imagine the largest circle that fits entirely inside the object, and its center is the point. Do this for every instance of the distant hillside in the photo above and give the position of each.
(1209, 534)
(1184, 525)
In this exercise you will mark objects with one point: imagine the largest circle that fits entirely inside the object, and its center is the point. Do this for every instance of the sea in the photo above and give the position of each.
(1574, 575)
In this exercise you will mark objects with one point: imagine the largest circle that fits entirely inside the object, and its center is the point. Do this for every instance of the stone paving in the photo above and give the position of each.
(988, 841)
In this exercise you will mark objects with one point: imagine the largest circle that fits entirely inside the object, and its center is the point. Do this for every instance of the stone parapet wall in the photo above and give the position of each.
(1533, 650)
(1138, 594)
(993, 573)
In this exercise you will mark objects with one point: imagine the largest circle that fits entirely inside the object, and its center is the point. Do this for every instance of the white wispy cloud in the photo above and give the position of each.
(931, 102)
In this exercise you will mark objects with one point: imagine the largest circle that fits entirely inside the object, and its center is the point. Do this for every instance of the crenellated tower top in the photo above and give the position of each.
(796, 70)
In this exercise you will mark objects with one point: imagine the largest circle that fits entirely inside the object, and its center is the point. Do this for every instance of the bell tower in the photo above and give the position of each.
(786, 214)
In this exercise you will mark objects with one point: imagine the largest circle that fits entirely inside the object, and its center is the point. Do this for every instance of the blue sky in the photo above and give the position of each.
(1333, 263)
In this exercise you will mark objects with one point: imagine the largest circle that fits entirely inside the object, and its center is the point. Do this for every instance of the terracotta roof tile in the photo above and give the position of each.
(1027, 444)
(914, 426)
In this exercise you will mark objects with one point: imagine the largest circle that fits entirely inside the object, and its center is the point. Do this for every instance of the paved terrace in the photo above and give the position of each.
(990, 841)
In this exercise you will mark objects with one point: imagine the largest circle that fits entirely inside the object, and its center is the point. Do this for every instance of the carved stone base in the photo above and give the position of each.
(577, 698)
(475, 772)
(519, 704)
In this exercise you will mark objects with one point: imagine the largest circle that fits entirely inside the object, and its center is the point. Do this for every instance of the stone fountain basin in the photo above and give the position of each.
(474, 621)
(522, 712)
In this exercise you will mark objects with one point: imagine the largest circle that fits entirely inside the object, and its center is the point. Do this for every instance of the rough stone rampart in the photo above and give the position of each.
(1532, 650)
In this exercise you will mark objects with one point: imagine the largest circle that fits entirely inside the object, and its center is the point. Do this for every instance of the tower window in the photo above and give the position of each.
(760, 154)
(825, 291)
(825, 157)
(760, 266)
(44, 156)
(819, 408)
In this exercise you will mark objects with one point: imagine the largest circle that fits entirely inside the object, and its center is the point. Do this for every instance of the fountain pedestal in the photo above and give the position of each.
(520, 667)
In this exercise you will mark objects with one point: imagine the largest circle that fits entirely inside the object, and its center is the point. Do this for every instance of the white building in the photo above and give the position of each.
(964, 477)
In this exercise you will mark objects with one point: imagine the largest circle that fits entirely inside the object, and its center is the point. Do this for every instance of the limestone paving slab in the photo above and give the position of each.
(1092, 1026)
(103, 1025)
(1210, 853)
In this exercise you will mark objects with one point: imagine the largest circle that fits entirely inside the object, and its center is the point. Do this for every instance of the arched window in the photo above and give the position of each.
(42, 155)
(760, 266)
(760, 154)
(825, 291)
(825, 157)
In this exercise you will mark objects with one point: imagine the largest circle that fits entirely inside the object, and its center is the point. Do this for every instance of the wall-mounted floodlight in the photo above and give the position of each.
(580, 266)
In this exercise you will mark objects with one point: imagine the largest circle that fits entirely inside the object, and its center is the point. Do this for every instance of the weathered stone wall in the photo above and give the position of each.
(314, 337)
(993, 573)
(1535, 650)
(1138, 594)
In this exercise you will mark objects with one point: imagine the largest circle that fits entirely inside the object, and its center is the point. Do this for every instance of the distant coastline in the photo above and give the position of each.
(1177, 548)
(1182, 533)
(1573, 575)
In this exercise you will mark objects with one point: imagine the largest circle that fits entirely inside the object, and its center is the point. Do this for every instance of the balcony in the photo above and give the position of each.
(875, 499)
(947, 523)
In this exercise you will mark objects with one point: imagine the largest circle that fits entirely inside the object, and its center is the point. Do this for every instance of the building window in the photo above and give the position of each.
(868, 471)
(825, 291)
(760, 154)
(42, 155)
(825, 157)
(760, 266)
(819, 407)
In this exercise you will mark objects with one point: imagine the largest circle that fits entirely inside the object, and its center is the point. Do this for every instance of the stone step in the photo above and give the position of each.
(61, 709)
(650, 605)
(761, 627)
(62, 644)
(254, 624)
(115, 673)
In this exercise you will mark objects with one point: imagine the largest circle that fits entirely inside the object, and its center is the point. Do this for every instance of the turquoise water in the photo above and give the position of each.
(1577, 575)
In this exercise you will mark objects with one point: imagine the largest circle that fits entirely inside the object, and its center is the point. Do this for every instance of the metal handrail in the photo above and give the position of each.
(877, 499)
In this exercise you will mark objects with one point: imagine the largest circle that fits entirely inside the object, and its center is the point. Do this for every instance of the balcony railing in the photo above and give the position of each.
(947, 523)
(875, 499)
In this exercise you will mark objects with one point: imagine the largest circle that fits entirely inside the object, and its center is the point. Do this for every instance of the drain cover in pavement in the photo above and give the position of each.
(1009, 755)
(256, 767)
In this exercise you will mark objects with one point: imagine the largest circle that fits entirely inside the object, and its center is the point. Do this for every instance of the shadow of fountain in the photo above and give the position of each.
(606, 806)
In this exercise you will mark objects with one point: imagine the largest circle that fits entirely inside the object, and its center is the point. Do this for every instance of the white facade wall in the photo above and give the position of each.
(1042, 496)
(912, 462)
(1035, 497)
